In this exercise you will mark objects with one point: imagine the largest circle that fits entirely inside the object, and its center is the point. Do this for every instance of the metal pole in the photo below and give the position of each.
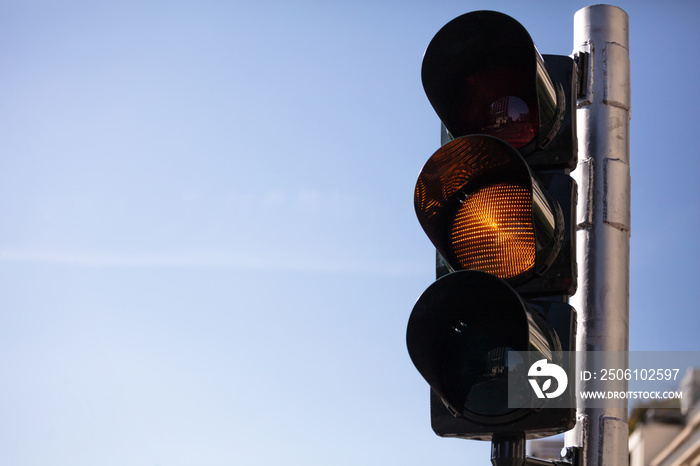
(603, 176)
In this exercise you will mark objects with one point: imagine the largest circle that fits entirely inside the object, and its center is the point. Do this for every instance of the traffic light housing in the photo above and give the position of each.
(498, 204)
(461, 334)
(522, 97)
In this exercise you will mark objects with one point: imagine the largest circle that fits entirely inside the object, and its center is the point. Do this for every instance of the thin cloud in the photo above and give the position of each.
(227, 260)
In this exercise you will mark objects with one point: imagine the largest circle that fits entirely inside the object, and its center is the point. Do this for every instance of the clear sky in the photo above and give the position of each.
(208, 251)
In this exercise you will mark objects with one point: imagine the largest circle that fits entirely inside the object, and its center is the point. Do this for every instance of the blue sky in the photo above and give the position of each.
(209, 252)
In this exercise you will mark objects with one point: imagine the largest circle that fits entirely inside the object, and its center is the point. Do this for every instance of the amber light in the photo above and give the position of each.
(492, 231)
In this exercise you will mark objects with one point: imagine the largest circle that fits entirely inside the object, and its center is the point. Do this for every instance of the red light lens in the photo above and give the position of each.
(511, 120)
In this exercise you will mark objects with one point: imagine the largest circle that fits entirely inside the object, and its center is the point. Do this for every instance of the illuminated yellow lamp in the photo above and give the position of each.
(481, 207)
(492, 231)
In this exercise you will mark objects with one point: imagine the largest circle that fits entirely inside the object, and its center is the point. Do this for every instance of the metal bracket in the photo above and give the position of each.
(510, 451)
(582, 64)
(570, 456)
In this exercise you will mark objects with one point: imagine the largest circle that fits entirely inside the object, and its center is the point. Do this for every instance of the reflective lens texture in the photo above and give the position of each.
(510, 119)
(483, 75)
(480, 206)
(492, 231)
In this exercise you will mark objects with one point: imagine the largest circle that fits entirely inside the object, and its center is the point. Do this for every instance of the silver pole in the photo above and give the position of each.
(603, 177)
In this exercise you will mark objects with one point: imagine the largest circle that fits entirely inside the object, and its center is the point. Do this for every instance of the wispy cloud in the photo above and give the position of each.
(284, 263)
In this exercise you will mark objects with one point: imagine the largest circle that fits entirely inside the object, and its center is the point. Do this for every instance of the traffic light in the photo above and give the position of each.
(497, 202)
